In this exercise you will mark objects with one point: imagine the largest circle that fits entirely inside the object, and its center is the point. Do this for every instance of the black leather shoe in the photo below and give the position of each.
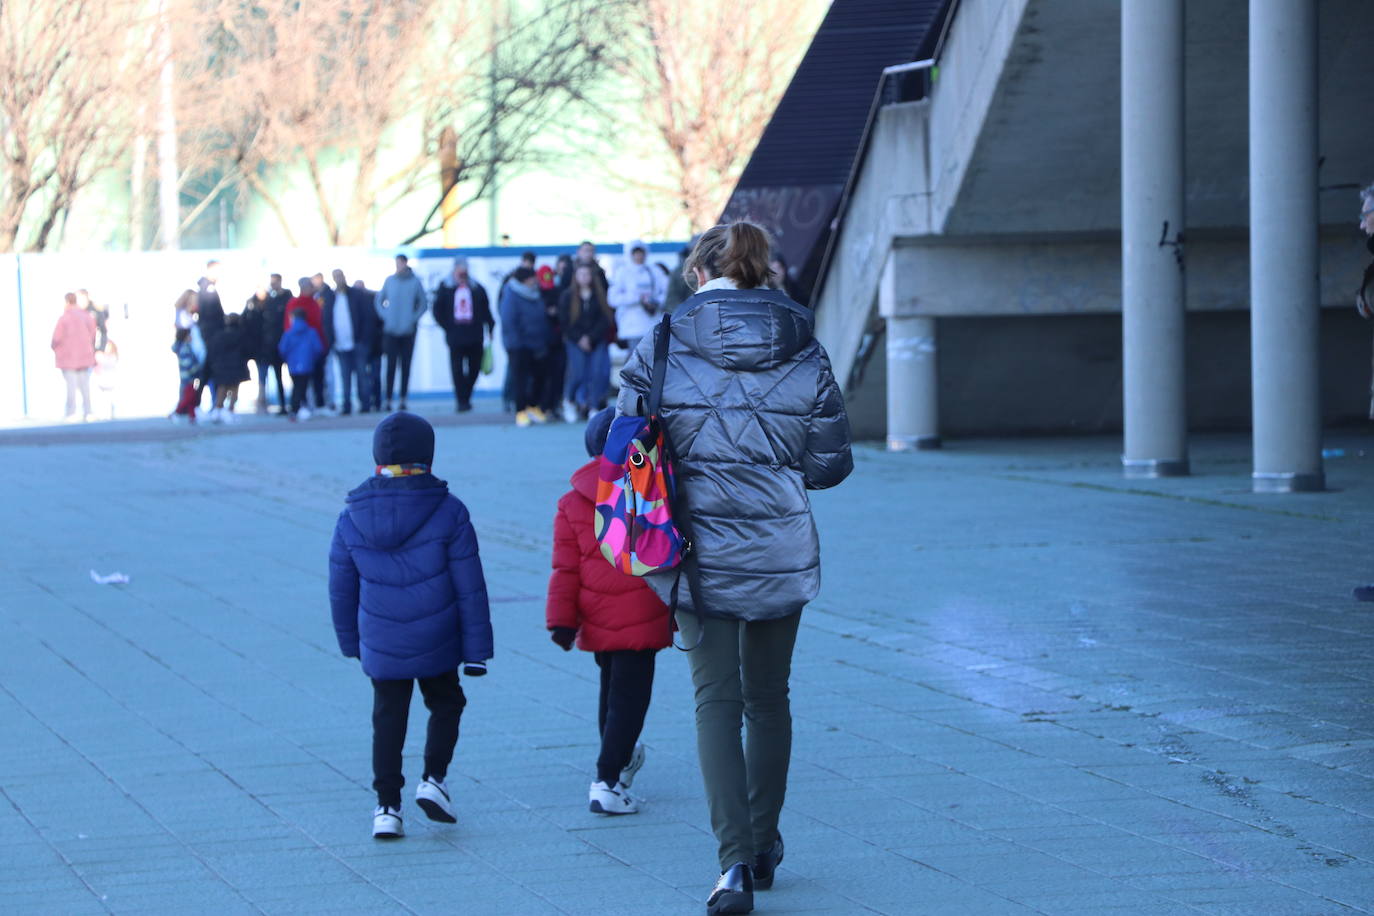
(766, 864)
(733, 893)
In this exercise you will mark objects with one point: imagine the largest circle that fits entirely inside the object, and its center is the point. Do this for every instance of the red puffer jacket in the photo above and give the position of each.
(609, 609)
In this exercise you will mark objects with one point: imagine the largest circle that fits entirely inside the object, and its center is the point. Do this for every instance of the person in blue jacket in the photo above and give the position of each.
(301, 349)
(408, 597)
(525, 335)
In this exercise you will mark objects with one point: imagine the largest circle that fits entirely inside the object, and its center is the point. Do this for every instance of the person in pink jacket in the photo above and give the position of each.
(73, 342)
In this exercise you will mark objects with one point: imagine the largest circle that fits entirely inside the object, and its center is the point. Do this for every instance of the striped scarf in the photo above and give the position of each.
(401, 470)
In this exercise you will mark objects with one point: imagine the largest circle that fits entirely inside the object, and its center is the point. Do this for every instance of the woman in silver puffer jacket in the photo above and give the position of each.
(755, 419)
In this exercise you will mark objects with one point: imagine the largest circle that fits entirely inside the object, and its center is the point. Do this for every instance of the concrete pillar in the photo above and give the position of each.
(1152, 298)
(1284, 288)
(913, 405)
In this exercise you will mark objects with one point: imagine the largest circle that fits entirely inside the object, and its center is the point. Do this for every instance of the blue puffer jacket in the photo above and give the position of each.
(523, 324)
(405, 580)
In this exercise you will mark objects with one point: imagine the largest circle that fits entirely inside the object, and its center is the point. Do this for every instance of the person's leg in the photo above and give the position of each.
(390, 715)
(555, 377)
(444, 699)
(317, 381)
(69, 376)
(407, 344)
(347, 368)
(766, 664)
(83, 382)
(280, 386)
(298, 385)
(715, 667)
(455, 368)
(603, 663)
(598, 375)
(632, 684)
(390, 348)
(472, 356)
(220, 394)
(516, 361)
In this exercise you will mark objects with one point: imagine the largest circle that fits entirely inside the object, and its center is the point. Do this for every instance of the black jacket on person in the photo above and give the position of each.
(226, 359)
(254, 327)
(210, 314)
(465, 333)
(360, 309)
(273, 320)
(592, 320)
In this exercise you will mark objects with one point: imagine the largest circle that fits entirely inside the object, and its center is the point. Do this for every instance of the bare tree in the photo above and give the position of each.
(353, 98)
(706, 76)
(67, 87)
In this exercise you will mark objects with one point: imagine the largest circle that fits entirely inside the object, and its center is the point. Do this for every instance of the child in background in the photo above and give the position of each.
(614, 616)
(408, 597)
(300, 349)
(188, 365)
(228, 359)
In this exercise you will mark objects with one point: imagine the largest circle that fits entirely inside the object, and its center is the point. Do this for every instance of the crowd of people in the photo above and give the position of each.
(408, 595)
(557, 323)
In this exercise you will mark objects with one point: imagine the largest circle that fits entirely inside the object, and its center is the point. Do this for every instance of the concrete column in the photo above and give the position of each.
(1152, 299)
(1284, 289)
(913, 404)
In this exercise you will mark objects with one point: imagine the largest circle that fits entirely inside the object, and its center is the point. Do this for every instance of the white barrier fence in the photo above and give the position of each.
(141, 288)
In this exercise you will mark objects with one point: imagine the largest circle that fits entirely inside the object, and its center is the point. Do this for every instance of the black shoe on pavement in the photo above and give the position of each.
(766, 865)
(733, 893)
(1364, 593)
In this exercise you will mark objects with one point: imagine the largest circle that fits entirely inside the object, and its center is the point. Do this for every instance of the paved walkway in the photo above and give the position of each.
(1027, 687)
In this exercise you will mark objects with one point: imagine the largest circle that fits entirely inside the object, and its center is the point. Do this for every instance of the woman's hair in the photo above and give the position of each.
(598, 294)
(183, 334)
(185, 299)
(69, 298)
(739, 251)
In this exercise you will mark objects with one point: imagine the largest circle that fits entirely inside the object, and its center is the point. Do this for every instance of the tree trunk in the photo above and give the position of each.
(169, 197)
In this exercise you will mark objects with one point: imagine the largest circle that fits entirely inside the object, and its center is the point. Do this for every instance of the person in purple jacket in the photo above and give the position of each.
(408, 597)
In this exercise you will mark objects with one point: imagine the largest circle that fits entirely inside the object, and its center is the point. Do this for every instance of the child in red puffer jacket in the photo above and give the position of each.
(614, 616)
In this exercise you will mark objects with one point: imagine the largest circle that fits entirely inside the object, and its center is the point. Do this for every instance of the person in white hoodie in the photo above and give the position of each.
(638, 290)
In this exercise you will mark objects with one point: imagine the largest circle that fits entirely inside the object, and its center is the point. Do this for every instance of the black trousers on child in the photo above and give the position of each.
(627, 683)
(391, 713)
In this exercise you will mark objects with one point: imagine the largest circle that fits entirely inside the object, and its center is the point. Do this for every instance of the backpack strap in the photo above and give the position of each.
(662, 339)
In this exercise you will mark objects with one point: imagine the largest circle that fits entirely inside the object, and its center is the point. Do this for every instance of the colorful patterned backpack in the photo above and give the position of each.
(636, 492)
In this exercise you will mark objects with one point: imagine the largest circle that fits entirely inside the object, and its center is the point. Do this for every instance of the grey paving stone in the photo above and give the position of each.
(1060, 692)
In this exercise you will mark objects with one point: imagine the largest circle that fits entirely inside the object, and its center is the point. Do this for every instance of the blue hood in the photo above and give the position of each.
(388, 511)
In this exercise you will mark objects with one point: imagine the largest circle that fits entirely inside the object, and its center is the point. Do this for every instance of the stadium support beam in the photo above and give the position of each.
(1152, 219)
(1284, 287)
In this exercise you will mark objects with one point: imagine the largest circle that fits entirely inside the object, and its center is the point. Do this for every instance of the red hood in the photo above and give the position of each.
(584, 481)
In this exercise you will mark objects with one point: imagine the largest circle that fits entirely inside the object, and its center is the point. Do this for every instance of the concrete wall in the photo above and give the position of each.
(1062, 374)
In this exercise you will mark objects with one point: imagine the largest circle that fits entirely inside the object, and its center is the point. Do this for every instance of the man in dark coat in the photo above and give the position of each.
(408, 598)
(273, 322)
(209, 315)
(462, 309)
(349, 319)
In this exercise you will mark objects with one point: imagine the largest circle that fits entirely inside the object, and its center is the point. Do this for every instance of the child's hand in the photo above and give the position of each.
(475, 669)
(563, 636)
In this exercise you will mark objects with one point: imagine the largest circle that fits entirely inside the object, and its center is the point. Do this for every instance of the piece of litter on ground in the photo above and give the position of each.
(114, 578)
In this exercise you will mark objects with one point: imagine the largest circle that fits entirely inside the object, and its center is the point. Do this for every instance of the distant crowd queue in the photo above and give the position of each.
(557, 324)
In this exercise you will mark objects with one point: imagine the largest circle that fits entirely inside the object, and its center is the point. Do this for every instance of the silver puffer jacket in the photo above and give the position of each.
(755, 419)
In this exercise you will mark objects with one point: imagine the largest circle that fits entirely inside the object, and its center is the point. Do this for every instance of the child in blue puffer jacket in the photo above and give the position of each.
(408, 597)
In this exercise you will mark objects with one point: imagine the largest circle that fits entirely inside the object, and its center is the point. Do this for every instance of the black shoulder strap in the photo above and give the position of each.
(662, 338)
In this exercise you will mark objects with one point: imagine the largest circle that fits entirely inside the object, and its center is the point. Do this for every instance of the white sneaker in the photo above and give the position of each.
(304, 414)
(569, 412)
(386, 824)
(627, 775)
(602, 799)
(215, 415)
(432, 796)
